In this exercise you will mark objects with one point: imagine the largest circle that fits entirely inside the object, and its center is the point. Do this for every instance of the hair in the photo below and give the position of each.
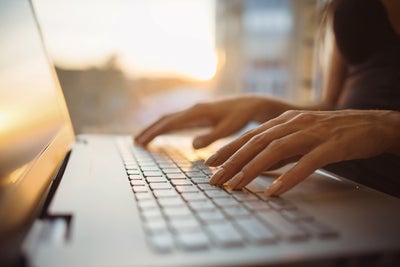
(324, 36)
(327, 9)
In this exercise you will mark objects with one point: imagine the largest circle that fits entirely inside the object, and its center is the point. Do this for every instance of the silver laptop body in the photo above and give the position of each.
(96, 200)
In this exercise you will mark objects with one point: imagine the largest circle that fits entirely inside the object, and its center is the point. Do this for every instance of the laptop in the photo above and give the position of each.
(98, 200)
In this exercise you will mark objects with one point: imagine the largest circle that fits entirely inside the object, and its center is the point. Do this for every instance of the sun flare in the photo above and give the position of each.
(153, 37)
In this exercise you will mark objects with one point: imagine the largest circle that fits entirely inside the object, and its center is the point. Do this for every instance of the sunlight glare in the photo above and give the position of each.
(152, 38)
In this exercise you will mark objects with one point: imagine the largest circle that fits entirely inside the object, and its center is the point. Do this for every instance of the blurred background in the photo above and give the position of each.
(123, 63)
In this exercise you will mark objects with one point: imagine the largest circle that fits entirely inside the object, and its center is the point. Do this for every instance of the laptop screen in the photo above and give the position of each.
(35, 130)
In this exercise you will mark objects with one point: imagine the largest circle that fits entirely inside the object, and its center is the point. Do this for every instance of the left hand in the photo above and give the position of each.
(312, 138)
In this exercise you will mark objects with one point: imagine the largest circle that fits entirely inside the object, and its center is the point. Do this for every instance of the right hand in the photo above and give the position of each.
(225, 117)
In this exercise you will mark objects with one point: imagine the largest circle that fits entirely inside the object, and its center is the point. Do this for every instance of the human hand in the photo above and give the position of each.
(225, 117)
(313, 138)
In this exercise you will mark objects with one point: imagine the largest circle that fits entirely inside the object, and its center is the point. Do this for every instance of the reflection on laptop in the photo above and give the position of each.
(98, 200)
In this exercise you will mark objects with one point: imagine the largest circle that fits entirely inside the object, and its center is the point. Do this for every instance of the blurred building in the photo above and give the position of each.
(266, 46)
(97, 97)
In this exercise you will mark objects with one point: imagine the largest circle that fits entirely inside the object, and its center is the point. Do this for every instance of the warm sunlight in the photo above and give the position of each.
(151, 38)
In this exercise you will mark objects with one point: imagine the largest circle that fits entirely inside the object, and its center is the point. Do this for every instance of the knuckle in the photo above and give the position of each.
(304, 117)
(257, 140)
(249, 134)
(277, 145)
(290, 113)
(198, 107)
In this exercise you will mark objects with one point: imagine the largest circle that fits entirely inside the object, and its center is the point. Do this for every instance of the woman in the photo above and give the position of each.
(357, 118)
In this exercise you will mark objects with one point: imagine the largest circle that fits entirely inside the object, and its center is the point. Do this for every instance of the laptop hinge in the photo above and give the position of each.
(53, 188)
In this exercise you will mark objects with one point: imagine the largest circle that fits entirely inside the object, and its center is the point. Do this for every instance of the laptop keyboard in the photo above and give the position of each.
(181, 210)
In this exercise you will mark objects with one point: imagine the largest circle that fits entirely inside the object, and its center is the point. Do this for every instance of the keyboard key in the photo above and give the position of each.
(177, 182)
(133, 166)
(147, 163)
(284, 228)
(140, 189)
(184, 224)
(156, 179)
(217, 194)
(201, 180)
(133, 172)
(162, 243)
(208, 186)
(135, 177)
(255, 186)
(280, 204)
(152, 173)
(148, 204)
(202, 205)
(257, 205)
(255, 231)
(296, 215)
(193, 196)
(318, 229)
(235, 212)
(244, 196)
(156, 226)
(173, 212)
(224, 234)
(168, 165)
(151, 168)
(151, 214)
(143, 196)
(170, 170)
(171, 202)
(187, 189)
(226, 202)
(263, 196)
(208, 172)
(193, 241)
(161, 193)
(188, 167)
(176, 176)
(210, 216)
(137, 182)
(195, 174)
(160, 186)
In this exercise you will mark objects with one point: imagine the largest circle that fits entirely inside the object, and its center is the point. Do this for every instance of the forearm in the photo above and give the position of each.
(392, 123)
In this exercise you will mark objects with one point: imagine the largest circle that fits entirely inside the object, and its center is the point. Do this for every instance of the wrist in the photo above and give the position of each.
(266, 108)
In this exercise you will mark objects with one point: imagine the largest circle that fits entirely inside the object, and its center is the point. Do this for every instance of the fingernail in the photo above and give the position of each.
(138, 142)
(215, 179)
(198, 143)
(273, 188)
(211, 160)
(235, 180)
(140, 139)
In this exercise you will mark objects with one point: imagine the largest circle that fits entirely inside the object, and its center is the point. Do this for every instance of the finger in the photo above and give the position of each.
(222, 154)
(224, 128)
(307, 165)
(279, 150)
(261, 148)
(282, 163)
(168, 123)
(229, 149)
